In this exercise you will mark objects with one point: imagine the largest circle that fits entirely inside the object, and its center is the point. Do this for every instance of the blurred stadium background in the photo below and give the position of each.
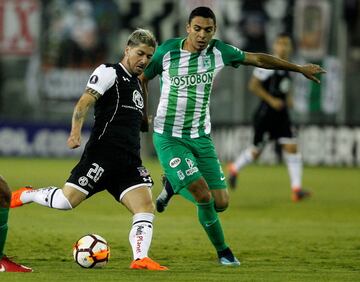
(49, 48)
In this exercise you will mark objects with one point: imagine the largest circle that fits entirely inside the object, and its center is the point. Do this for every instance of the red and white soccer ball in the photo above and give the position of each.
(91, 251)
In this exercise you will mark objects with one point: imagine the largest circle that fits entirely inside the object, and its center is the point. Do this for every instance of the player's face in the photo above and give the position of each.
(137, 58)
(283, 47)
(200, 32)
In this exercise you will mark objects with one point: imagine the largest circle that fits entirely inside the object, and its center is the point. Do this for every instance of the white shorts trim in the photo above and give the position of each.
(77, 187)
(287, 140)
(132, 188)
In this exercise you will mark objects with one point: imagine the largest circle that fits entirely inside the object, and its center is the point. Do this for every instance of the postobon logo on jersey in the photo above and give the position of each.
(138, 99)
(192, 79)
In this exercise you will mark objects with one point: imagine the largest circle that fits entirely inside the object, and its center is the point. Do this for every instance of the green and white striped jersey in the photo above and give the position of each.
(186, 80)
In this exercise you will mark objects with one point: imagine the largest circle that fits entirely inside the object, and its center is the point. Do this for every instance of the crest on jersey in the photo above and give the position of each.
(138, 99)
(206, 61)
(143, 171)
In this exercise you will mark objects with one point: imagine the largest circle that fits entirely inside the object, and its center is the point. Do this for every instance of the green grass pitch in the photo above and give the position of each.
(275, 239)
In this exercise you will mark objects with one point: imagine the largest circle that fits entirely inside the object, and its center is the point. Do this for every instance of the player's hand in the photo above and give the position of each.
(276, 103)
(310, 70)
(146, 123)
(74, 141)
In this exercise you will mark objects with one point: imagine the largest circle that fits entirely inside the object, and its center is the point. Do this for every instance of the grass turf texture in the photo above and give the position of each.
(275, 239)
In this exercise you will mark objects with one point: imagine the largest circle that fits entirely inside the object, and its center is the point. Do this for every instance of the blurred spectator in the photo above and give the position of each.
(81, 47)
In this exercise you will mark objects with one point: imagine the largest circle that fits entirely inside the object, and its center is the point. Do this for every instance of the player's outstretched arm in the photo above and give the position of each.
(80, 112)
(271, 62)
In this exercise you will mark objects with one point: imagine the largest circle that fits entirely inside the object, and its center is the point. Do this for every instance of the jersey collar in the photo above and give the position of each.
(125, 70)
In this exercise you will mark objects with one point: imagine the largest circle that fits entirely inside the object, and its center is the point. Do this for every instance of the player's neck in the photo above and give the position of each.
(125, 65)
(187, 46)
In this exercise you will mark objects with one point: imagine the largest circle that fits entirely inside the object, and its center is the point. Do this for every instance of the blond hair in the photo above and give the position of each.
(141, 36)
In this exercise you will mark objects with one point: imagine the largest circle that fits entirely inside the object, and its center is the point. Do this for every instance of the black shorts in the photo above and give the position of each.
(276, 126)
(103, 167)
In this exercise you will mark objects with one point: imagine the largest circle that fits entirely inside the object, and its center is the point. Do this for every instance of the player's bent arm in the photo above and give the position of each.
(271, 62)
(144, 85)
(81, 109)
(255, 86)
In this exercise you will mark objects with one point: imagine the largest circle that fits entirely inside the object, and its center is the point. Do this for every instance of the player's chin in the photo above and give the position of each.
(138, 71)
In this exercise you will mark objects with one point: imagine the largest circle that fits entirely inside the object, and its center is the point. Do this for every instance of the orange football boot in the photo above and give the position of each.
(299, 194)
(146, 263)
(15, 197)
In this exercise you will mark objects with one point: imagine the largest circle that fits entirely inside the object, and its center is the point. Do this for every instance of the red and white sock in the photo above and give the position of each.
(141, 234)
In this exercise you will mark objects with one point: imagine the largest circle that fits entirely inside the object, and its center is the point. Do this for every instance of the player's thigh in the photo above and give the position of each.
(177, 160)
(260, 128)
(209, 164)
(131, 175)
(73, 195)
(285, 136)
(93, 172)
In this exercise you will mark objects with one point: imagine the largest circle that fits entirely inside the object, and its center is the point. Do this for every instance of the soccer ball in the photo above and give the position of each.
(91, 251)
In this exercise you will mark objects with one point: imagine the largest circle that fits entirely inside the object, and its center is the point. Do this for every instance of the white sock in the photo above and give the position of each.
(51, 197)
(141, 234)
(295, 168)
(245, 158)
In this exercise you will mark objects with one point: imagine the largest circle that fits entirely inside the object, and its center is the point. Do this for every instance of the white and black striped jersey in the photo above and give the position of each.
(277, 83)
(120, 109)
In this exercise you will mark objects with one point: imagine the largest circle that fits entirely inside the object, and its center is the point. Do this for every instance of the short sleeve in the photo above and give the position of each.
(232, 56)
(262, 74)
(102, 79)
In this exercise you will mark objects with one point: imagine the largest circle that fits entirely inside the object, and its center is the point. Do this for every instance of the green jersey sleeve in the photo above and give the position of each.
(232, 56)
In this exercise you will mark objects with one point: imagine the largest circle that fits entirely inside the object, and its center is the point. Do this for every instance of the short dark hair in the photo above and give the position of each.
(141, 36)
(204, 12)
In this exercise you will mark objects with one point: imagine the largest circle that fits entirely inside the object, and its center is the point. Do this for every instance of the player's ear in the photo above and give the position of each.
(127, 50)
(188, 27)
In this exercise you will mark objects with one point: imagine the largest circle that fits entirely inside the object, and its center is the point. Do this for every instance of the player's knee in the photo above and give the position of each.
(222, 206)
(290, 148)
(148, 206)
(221, 201)
(255, 154)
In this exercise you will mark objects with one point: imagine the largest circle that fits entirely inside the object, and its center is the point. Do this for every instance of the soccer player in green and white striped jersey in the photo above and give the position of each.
(187, 68)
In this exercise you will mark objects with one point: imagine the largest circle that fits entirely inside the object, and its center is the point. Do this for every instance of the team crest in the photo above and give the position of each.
(138, 99)
(143, 171)
(206, 61)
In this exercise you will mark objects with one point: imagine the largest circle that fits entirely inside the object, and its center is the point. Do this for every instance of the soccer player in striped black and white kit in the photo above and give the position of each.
(111, 159)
